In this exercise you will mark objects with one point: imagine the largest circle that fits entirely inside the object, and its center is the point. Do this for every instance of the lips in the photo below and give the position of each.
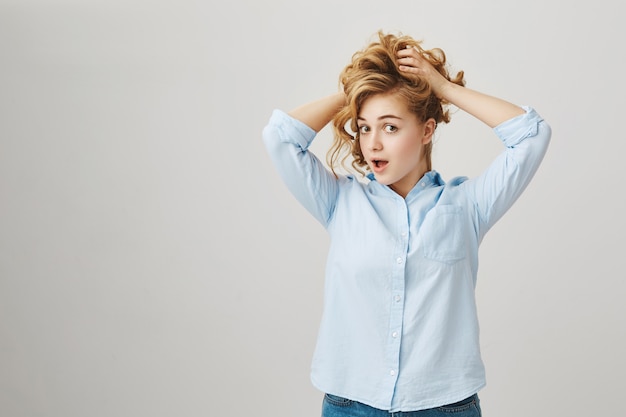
(378, 165)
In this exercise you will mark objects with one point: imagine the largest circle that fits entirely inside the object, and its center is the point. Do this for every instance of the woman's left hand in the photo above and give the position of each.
(490, 110)
(411, 61)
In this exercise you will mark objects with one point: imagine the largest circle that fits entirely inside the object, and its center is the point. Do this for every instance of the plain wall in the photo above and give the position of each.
(152, 263)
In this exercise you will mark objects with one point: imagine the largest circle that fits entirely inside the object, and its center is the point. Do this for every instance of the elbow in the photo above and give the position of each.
(544, 136)
(271, 139)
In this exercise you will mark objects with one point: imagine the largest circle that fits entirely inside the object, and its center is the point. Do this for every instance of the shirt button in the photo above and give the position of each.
(399, 260)
(423, 184)
(394, 334)
(392, 372)
(403, 234)
(398, 298)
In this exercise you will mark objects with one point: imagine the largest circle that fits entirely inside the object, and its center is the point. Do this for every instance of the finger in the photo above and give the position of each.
(409, 68)
(408, 51)
(406, 64)
(414, 59)
(409, 62)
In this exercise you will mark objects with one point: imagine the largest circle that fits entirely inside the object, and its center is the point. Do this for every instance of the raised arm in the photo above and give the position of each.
(523, 132)
(319, 113)
(490, 110)
(287, 138)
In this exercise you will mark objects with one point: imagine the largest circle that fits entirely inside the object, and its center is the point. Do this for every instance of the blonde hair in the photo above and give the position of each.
(374, 70)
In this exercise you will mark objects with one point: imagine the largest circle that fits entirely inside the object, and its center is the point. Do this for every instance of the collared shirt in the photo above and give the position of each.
(399, 328)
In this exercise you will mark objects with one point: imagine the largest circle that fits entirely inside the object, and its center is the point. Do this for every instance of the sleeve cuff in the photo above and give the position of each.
(292, 130)
(515, 130)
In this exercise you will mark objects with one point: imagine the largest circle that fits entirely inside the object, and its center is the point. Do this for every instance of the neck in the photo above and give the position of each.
(404, 187)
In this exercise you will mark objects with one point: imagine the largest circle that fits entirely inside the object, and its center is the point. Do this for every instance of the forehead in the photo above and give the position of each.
(384, 105)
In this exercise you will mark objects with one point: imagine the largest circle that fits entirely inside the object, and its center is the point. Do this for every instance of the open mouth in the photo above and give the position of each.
(379, 164)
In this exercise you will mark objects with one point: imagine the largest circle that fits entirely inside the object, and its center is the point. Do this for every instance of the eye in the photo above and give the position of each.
(363, 129)
(390, 128)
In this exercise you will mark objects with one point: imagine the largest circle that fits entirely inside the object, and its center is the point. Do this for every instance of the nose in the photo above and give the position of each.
(374, 143)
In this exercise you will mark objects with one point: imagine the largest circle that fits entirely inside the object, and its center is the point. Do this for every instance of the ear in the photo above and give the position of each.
(429, 130)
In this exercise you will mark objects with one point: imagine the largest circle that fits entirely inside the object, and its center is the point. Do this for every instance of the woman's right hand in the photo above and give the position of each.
(319, 113)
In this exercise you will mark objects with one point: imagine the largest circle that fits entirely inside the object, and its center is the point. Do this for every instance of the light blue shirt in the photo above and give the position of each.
(399, 329)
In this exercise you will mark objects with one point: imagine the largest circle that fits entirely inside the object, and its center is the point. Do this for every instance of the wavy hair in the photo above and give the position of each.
(374, 70)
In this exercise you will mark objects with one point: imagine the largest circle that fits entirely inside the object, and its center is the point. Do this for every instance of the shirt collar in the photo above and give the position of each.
(430, 179)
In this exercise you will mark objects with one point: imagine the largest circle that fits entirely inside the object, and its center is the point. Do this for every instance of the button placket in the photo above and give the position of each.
(397, 287)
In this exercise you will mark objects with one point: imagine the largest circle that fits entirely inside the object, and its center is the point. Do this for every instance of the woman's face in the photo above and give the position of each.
(392, 141)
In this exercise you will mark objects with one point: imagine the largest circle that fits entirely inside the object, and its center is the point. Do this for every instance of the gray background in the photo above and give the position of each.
(153, 264)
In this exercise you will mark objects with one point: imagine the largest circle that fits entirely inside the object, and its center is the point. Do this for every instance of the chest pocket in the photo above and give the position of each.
(442, 234)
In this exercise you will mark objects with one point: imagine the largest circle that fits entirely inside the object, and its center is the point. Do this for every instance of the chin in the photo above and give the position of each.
(382, 180)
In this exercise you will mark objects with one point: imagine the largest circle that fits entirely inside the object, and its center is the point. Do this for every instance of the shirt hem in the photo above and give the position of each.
(406, 408)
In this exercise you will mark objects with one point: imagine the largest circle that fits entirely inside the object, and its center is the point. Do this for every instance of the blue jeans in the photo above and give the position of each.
(341, 407)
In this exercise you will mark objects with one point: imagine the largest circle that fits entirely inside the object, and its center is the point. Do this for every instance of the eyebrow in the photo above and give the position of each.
(386, 116)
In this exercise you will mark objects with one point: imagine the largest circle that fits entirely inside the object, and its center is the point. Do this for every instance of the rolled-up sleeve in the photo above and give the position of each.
(526, 138)
(287, 141)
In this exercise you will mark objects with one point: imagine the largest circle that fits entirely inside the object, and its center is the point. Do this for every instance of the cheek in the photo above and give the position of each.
(408, 146)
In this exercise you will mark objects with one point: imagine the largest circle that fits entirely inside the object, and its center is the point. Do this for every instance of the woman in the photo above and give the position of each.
(399, 331)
